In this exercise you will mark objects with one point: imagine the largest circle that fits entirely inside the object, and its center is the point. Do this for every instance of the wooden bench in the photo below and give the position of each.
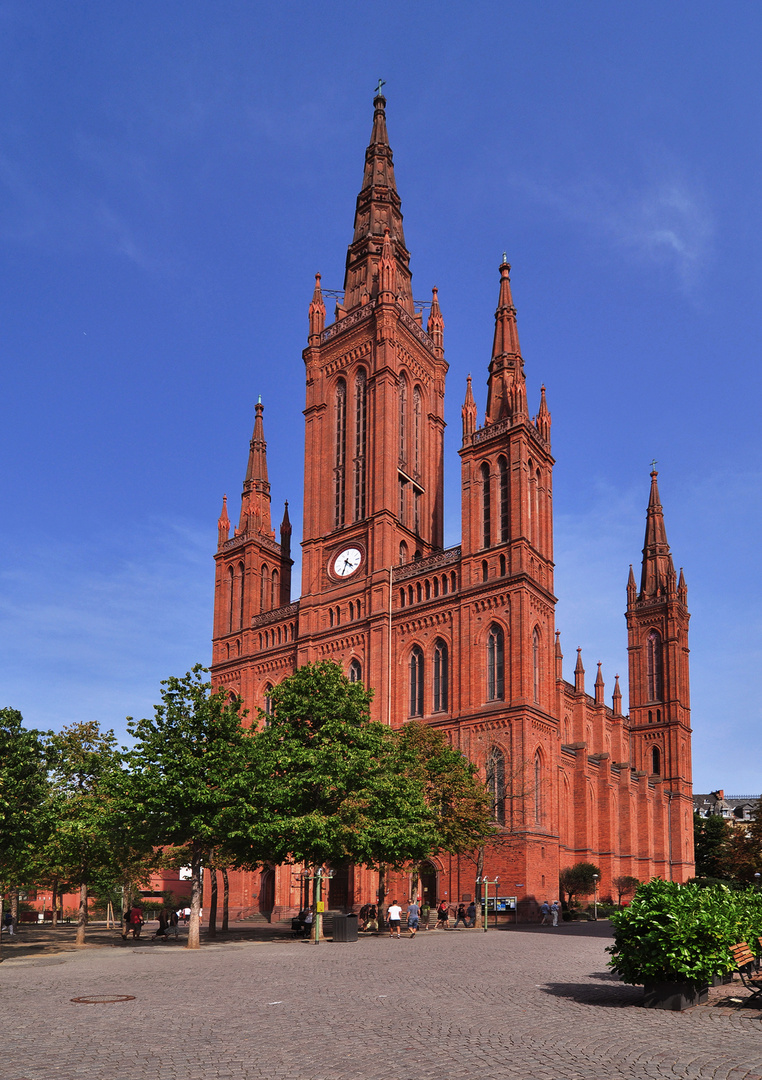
(745, 962)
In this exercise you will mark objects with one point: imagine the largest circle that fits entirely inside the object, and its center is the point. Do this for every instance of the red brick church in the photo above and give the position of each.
(464, 637)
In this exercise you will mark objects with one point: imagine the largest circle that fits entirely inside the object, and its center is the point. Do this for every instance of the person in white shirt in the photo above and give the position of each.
(394, 915)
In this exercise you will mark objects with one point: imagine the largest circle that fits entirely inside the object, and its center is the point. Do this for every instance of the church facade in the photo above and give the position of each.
(462, 638)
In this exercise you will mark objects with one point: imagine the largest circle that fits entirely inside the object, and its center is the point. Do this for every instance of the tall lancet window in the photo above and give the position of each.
(536, 664)
(496, 784)
(440, 676)
(654, 667)
(241, 598)
(403, 419)
(416, 681)
(361, 415)
(417, 429)
(340, 461)
(537, 787)
(231, 597)
(486, 506)
(502, 465)
(495, 664)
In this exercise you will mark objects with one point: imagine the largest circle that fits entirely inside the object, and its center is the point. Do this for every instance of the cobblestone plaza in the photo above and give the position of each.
(532, 1003)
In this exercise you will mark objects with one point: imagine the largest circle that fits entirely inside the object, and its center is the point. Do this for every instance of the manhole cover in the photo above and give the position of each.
(103, 1000)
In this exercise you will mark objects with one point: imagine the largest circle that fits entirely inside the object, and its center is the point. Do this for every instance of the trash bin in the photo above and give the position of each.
(345, 927)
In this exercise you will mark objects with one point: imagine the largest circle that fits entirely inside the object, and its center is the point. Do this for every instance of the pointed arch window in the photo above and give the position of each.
(536, 664)
(361, 414)
(654, 666)
(486, 507)
(495, 664)
(417, 429)
(416, 681)
(656, 761)
(355, 671)
(268, 705)
(340, 456)
(403, 419)
(496, 783)
(403, 553)
(538, 792)
(231, 597)
(502, 465)
(441, 676)
(264, 588)
(241, 572)
(275, 601)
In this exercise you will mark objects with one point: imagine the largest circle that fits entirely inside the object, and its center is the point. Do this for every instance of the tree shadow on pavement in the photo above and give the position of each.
(609, 993)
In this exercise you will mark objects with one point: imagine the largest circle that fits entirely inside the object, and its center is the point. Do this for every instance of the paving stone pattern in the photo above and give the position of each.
(533, 1004)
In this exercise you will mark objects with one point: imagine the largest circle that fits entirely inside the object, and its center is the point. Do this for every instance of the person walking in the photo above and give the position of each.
(460, 916)
(371, 923)
(394, 915)
(545, 910)
(8, 922)
(413, 918)
(443, 915)
(471, 914)
(555, 910)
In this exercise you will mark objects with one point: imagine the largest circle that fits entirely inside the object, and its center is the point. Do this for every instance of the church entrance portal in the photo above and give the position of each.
(427, 884)
(267, 893)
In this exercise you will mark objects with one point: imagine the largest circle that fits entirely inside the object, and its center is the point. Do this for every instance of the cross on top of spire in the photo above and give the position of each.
(381, 82)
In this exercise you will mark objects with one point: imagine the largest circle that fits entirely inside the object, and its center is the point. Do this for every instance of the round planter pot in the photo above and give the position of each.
(674, 996)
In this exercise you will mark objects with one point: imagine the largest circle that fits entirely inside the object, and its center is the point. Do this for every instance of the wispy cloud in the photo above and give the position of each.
(665, 218)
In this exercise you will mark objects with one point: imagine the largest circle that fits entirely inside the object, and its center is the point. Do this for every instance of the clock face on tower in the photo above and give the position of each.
(346, 562)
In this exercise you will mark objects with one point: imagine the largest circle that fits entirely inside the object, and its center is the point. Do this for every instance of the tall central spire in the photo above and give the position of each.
(378, 210)
(658, 572)
(506, 387)
(255, 499)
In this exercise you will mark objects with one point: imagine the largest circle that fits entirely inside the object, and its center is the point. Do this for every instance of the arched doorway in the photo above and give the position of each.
(427, 884)
(267, 893)
(338, 889)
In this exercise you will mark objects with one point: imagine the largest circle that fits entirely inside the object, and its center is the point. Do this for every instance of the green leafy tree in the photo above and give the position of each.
(84, 847)
(710, 836)
(23, 790)
(578, 880)
(190, 784)
(625, 885)
(338, 786)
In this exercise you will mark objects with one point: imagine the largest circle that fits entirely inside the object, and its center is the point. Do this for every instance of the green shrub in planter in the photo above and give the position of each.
(682, 933)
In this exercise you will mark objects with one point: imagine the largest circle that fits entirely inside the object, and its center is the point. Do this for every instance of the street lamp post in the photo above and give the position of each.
(595, 901)
(318, 876)
(486, 882)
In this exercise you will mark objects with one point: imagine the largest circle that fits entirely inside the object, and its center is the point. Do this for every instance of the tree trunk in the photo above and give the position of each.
(15, 908)
(212, 927)
(54, 901)
(195, 906)
(82, 915)
(478, 891)
(381, 896)
(414, 880)
(225, 900)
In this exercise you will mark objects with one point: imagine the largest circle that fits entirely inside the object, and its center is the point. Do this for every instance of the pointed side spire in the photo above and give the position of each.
(435, 325)
(542, 423)
(658, 572)
(632, 589)
(378, 208)
(285, 532)
(682, 588)
(506, 386)
(599, 686)
(387, 271)
(223, 523)
(616, 698)
(559, 657)
(317, 311)
(255, 500)
(468, 412)
(579, 673)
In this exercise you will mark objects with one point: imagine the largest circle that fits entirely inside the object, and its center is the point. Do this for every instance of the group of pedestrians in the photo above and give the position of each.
(169, 921)
(550, 912)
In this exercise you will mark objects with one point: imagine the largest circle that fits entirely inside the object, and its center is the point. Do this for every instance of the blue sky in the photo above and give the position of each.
(173, 174)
